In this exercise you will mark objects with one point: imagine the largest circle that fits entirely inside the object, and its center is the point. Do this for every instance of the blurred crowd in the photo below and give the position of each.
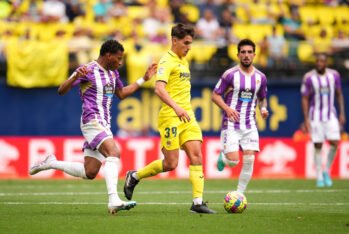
(287, 33)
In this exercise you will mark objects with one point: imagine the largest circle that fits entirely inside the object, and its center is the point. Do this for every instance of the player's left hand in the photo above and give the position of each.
(150, 72)
(264, 113)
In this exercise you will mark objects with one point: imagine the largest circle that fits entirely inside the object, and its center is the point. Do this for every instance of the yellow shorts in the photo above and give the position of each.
(175, 133)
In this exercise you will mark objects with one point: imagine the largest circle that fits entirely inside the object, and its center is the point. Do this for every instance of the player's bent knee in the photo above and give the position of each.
(91, 174)
(170, 166)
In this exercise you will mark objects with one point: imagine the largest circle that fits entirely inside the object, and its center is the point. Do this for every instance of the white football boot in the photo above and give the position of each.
(121, 205)
(43, 165)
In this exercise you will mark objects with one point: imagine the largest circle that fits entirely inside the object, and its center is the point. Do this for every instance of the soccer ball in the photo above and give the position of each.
(235, 202)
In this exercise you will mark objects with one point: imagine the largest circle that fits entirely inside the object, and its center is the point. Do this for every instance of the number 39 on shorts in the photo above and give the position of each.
(170, 132)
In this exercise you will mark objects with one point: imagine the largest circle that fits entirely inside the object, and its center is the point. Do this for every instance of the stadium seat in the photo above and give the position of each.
(315, 30)
(241, 14)
(342, 15)
(137, 12)
(308, 14)
(326, 15)
(232, 52)
(240, 30)
(257, 32)
(203, 52)
(5, 9)
(191, 11)
(305, 52)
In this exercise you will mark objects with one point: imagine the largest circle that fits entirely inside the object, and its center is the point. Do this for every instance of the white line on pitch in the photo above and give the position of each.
(174, 192)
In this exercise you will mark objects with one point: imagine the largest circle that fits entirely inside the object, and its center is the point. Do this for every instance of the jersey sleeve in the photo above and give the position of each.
(222, 84)
(164, 70)
(337, 80)
(118, 82)
(306, 87)
(262, 93)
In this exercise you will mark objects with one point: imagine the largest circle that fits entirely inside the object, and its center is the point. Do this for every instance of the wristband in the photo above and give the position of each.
(73, 75)
(263, 109)
(140, 81)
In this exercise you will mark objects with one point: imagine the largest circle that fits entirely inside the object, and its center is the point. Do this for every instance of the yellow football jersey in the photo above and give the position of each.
(175, 72)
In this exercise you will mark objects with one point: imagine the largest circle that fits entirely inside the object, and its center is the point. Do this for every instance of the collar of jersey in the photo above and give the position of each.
(99, 66)
(173, 54)
(247, 74)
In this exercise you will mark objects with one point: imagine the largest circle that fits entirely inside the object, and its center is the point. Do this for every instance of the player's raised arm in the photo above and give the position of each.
(67, 84)
(130, 89)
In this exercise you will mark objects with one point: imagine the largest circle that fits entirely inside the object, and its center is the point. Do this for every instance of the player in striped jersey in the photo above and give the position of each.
(242, 87)
(99, 81)
(319, 88)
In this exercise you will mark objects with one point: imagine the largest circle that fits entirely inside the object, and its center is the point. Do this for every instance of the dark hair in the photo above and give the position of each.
(110, 46)
(182, 30)
(244, 42)
(322, 54)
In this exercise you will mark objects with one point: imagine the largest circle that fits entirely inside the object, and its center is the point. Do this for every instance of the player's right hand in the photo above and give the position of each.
(182, 114)
(82, 71)
(232, 115)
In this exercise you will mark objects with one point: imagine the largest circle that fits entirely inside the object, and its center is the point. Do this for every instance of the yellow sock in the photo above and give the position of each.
(151, 169)
(196, 177)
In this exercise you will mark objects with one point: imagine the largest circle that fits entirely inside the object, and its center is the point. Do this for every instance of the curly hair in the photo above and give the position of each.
(110, 46)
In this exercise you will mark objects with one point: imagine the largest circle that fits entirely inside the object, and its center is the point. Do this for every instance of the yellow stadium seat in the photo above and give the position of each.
(232, 52)
(305, 52)
(342, 15)
(322, 45)
(308, 14)
(241, 14)
(137, 12)
(240, 30)
(326, 15)
(202, 53)
(5, 9)
(159, 3)
(315, 30)
(257, 32)
(191, 11)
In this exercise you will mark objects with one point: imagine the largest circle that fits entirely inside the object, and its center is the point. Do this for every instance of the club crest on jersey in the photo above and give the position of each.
(168, 143)
(246, 95)
(108, 90)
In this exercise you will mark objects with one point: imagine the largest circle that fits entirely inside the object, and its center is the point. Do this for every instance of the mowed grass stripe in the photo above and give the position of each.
(181, 203)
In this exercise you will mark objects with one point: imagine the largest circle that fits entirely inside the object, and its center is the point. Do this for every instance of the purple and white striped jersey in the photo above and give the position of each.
(96, 92)
(321, 92)
(241, 91)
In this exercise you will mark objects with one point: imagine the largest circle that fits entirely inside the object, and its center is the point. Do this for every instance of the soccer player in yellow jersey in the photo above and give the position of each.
(177, 124)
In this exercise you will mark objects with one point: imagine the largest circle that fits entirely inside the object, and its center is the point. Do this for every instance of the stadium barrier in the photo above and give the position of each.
(278, 158)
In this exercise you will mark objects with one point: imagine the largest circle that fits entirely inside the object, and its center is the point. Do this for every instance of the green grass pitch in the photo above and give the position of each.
(79, 206)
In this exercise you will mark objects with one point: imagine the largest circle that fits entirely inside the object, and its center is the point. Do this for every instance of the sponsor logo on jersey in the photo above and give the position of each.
(108, 90)
(246, 95)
